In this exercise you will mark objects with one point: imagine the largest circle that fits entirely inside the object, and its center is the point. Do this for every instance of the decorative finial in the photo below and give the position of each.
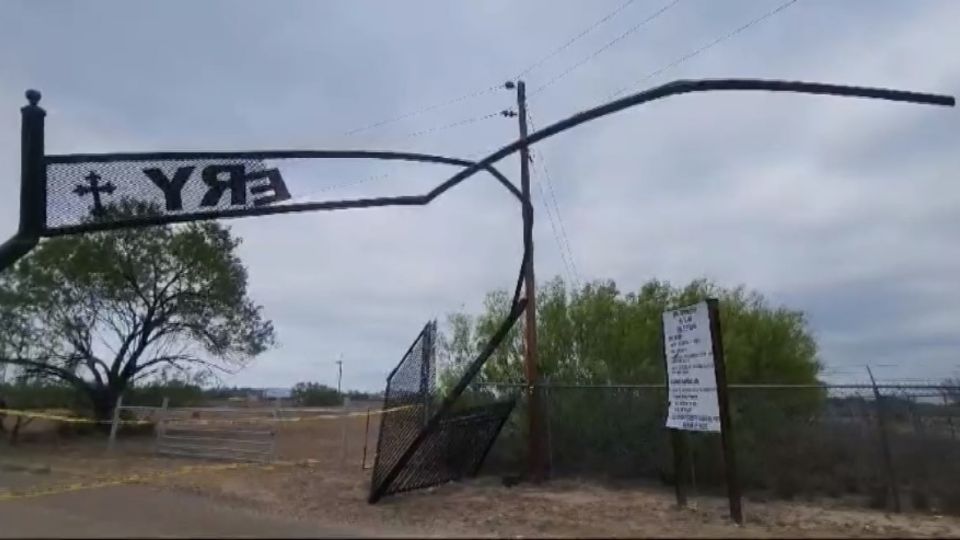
(33, 96)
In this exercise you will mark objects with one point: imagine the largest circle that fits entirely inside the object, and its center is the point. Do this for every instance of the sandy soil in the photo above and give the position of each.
(331, 491)
(143, 511)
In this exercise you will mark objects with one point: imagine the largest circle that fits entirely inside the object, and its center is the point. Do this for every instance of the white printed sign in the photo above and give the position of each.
(691, 379)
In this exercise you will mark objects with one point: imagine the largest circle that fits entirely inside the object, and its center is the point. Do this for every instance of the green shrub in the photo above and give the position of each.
(311, 394)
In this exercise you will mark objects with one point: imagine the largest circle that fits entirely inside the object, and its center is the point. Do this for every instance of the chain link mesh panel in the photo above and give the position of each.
(406, 404)
(78, 193)
(420, 447)
(454, 449)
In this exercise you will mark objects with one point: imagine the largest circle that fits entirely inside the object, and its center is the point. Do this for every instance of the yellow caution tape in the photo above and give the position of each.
(67, 419)
(80, 420)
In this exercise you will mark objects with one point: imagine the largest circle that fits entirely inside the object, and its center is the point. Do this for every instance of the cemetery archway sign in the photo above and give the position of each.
(63, 194)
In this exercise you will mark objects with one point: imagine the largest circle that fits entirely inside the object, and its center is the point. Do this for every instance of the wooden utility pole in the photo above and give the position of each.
(537, 462)
(339, 373)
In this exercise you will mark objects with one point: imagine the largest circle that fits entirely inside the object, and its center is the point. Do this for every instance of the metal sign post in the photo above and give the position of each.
(697, 390)
(726, 425)
(677, 437)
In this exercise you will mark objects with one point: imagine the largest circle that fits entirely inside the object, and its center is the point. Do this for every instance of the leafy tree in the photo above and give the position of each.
(357, 395)
(105, 310)
(599, 335)
(312, 394)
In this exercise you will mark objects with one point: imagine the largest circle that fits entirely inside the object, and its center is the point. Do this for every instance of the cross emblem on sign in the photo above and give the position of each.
(95, 188)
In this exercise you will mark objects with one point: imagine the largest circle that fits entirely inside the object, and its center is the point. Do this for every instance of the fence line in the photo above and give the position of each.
(795, 439)
(734, 385)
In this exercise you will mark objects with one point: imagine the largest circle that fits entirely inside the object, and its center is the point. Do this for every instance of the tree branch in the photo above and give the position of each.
(173, 359)
(49, 369)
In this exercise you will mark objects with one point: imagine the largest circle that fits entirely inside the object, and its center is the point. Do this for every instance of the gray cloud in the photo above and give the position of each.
(843, 208)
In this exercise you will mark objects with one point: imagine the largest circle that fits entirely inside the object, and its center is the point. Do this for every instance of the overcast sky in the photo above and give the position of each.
(847, 209)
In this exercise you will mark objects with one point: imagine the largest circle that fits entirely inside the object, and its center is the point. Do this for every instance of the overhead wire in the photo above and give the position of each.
(663, 9)
(575, 38)
(458, 123)
(381, 176)
(706, 47)
(422, 110)
(566, 45)
(489, 89)
(563, 241)
(564, 258)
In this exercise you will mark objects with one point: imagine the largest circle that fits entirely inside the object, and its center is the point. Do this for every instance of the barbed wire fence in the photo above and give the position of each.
(901, 451)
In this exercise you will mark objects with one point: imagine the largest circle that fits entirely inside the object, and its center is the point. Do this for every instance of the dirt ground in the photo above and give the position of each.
(144, 511)
(330, 492)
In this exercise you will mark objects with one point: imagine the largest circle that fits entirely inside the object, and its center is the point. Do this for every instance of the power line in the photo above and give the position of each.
(422, 110)
(563, 228)
(478, 93)
(553, 228)
(567, 44)
(556, 236)
(663, 9)
(556, 210)
(458, 123)
(713, 43)
(575, 38)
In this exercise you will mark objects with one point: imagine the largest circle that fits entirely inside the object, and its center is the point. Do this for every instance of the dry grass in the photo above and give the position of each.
(332, 490)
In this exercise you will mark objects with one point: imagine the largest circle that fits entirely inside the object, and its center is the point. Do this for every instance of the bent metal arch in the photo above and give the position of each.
(63, 194)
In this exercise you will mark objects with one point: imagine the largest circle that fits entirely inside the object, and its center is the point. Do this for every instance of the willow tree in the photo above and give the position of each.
(104, 310)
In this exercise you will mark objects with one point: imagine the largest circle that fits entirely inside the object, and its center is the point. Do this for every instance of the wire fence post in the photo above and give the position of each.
(366, 440)
(678, 441)
(115, 424)
(892, 487)
(275, 430)
(677, 438)
(548, 422)
(162, 420)
(946, 405)
(343, 440)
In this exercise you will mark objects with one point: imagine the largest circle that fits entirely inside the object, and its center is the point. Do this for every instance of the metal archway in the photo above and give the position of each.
(34, 198)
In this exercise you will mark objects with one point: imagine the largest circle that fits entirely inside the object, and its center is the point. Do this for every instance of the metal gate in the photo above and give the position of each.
(242, 441)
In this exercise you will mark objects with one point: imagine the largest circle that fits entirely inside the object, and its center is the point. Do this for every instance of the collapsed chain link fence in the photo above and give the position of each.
(406, 402)
(422, 445)
(792, 441)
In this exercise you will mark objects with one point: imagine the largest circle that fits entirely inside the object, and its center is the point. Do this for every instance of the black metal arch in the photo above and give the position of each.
(699, 85)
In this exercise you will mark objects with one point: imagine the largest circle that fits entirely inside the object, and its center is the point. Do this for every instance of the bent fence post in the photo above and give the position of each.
(115, 424)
